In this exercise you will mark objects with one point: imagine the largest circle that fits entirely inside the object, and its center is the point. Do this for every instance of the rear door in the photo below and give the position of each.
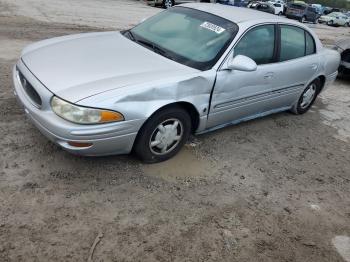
(298, 64)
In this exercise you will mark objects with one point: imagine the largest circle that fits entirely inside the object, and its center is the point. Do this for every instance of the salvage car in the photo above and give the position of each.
(302, 12)
(335, 19)
(343, 47)
(190, 69)
(262, 6)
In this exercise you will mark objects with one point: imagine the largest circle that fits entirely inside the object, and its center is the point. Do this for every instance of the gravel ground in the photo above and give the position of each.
(273, 189)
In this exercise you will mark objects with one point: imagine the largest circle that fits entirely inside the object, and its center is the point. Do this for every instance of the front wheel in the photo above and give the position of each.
(330, 22)
(168, 3)
(163, 135)
(307, 98)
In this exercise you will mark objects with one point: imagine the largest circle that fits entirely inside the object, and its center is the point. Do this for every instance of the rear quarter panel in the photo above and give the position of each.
(329, 64)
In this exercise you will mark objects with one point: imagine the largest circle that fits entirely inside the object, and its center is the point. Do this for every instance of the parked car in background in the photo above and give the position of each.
(170, 3)
(343, 47)
(262, 6)
(302, 12)
(319, 9)
(191, 69)
(335, 19)
(278, 8)
(239, 3)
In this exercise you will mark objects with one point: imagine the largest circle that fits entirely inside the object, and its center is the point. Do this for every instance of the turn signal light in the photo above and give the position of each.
(79, 144)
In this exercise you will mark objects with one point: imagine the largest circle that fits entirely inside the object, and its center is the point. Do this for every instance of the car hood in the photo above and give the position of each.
(78, 66)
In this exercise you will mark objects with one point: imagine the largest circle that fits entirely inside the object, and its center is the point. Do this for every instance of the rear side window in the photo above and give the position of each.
(258, 44)
(295, 43)
(292, 43)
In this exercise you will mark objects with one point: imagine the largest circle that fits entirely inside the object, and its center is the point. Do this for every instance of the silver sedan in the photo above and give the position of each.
(191, 69)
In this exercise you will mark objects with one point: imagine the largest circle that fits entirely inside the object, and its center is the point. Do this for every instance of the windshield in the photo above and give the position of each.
(187, 36)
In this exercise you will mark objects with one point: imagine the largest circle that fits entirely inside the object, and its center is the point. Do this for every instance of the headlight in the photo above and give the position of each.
(83, 115)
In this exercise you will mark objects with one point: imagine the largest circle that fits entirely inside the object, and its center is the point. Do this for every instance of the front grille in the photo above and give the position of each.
(30, 91)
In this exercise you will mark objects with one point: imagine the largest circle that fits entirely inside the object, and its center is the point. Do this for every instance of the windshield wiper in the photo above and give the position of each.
(130, 35)
(157, 49)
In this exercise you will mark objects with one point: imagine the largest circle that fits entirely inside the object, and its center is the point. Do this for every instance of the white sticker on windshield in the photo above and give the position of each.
(215, 28)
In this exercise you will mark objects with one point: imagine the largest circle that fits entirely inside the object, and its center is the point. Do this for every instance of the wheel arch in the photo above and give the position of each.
(190, 109)
(187, 106)
(323, 81)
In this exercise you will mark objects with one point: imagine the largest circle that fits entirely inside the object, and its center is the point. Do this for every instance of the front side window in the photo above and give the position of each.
(258, 44)
(295, 43)
(187, 36)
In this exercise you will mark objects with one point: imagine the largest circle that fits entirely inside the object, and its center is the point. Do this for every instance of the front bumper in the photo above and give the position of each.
(106, 139)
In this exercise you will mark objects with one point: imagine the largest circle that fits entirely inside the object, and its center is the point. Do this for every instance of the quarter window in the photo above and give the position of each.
(258, 44)
(310, 44)
(295, 43)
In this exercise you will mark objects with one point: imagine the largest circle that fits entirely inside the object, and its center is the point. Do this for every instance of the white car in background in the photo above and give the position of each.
(335, 19)
(278, 8)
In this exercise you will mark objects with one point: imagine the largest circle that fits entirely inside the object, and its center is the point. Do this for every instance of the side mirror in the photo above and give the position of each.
(241, 63)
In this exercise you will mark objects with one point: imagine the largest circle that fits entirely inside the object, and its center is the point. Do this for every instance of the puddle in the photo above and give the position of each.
(184, 165)
(342, 244)
(337, 111)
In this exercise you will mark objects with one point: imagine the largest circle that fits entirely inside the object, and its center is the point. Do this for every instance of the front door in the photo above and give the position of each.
(241, 95)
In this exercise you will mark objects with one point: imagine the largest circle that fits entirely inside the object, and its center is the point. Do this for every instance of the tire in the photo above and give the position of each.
(330, 22)
(168, 3)
(280, 13)
(305, 100)
(166, 137)
(316, 21)
(303, 19)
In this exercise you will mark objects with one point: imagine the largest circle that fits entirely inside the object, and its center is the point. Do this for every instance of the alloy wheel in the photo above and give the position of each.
(166, 136)
(168, 3)
(308, 96)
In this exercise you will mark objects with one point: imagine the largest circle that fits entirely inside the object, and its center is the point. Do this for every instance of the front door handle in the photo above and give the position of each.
(268, 75)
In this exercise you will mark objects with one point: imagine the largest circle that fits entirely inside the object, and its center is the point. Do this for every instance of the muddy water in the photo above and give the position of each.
(184, 165)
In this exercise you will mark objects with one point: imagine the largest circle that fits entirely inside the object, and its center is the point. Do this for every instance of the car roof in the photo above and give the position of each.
(233, 13)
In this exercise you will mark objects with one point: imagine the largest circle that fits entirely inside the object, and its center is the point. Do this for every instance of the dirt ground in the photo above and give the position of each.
(273, 189)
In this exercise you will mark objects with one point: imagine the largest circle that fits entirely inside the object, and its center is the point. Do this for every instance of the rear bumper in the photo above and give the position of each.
(105, 139)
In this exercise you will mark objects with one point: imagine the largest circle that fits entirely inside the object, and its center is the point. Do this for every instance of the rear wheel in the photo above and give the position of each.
(303, 19)
(307, 98)
(163, 135)
(168, 3)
